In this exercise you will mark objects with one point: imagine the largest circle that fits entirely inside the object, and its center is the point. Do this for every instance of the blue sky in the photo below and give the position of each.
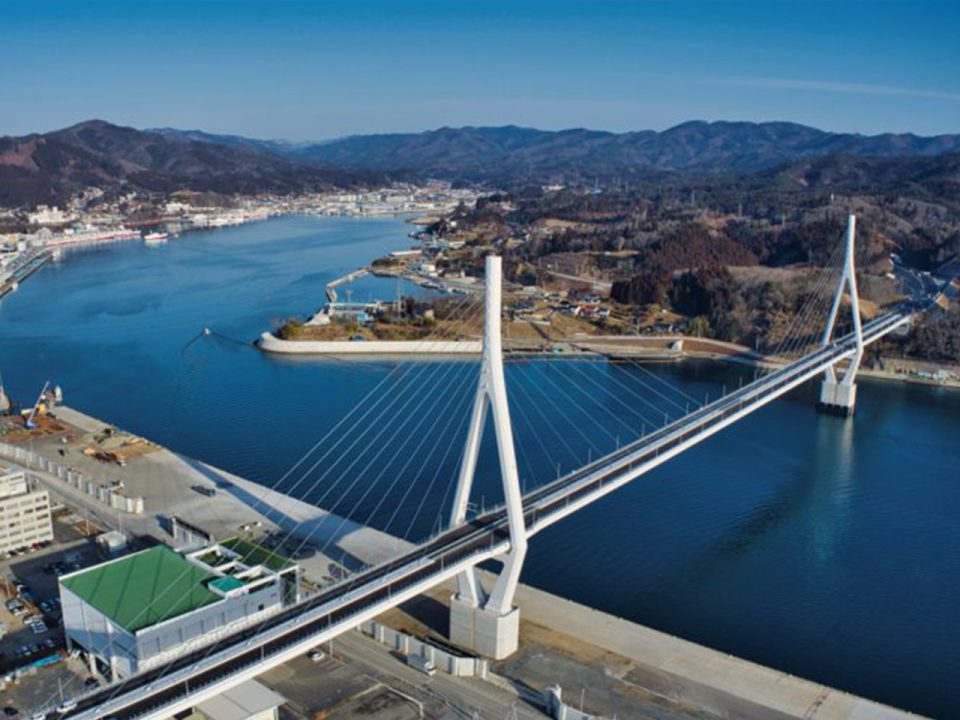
(316, 70)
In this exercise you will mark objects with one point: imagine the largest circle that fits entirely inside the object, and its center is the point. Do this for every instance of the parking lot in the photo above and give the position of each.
(33, 658)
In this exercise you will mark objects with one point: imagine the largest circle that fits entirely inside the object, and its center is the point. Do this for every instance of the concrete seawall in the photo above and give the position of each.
(726, 685)
(269, 342)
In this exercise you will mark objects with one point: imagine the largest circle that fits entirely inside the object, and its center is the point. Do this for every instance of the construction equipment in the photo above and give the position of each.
(30, 424)
(4, 400)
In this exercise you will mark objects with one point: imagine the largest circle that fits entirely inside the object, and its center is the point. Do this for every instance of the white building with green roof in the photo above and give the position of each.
(142, 610)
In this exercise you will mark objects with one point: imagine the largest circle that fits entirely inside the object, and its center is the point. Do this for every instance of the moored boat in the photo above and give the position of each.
(155, 238)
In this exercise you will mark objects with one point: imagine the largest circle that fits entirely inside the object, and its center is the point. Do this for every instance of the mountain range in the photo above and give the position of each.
(51, 167)
(509, 153)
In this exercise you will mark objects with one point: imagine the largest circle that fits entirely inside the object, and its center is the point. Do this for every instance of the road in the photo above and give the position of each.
(595, 284)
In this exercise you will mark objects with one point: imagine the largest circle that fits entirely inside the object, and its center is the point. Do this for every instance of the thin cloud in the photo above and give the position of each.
(837, 87)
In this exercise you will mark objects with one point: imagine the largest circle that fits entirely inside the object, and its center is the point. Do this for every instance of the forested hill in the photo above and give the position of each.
(52, 167)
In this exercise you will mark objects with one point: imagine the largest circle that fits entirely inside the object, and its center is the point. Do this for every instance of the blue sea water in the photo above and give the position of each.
(824, 547)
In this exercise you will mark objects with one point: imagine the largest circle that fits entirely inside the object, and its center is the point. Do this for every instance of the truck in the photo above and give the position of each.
(419, 662)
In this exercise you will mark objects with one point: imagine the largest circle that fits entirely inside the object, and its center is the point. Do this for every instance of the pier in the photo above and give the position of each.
(350, 277)
(25, 269)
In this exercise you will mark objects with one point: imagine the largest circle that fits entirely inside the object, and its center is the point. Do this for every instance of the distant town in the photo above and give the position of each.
(91, 219)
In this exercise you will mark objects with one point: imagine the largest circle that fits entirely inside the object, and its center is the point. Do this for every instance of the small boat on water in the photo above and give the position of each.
(155, 238)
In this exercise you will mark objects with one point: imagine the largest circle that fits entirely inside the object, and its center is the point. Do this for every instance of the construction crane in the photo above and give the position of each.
(31, 425)
(4, 400)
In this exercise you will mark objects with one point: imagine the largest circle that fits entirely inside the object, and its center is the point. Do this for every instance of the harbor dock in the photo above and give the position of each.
(350, 277)
(12, 280)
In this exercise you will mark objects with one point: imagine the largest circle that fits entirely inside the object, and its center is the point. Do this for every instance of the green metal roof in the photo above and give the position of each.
(144, 589)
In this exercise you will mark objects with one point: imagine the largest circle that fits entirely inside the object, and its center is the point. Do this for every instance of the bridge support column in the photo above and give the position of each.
(484, 631)
(490, 624)
(838, 396)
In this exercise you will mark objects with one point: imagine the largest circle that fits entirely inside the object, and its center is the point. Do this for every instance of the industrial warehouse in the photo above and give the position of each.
(142, 610)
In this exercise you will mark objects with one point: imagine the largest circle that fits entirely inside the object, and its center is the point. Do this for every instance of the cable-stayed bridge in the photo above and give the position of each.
(489, 623)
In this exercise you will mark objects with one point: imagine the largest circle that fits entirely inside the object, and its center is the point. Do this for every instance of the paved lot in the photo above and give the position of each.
(313, 688)
(39, 684)
(381, 703)
(365, 680)
(36, 690)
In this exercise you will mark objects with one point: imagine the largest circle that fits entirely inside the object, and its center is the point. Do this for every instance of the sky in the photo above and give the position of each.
(306, 71)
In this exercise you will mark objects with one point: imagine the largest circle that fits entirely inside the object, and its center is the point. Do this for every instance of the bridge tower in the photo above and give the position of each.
(490, 624)
(838, 396)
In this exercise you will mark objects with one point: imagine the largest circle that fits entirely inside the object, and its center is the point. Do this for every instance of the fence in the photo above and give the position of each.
(559, 710)
(103, 493)
(446, 661)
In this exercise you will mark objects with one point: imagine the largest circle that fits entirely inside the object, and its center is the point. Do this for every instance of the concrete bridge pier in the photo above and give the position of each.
(837, 397)
(484, 630)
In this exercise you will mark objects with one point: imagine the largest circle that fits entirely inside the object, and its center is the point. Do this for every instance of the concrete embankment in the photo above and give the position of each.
(10, 282)
(684, 671)
(167, 483)
(269, 342)
(638, 659)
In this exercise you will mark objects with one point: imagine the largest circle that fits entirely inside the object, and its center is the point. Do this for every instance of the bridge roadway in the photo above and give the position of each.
(160, 692)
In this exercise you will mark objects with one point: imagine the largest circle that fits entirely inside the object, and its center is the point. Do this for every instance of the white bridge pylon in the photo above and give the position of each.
(490, 624)
(839, 396)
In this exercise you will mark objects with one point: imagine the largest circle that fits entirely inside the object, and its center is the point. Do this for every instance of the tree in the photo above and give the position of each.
(650, 286)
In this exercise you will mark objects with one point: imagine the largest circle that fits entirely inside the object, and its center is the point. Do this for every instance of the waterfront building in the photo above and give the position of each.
(24, 512)
(141, 611)
(44, 215)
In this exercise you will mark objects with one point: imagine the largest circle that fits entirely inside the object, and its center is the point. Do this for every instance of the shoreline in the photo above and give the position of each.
(588, 347)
